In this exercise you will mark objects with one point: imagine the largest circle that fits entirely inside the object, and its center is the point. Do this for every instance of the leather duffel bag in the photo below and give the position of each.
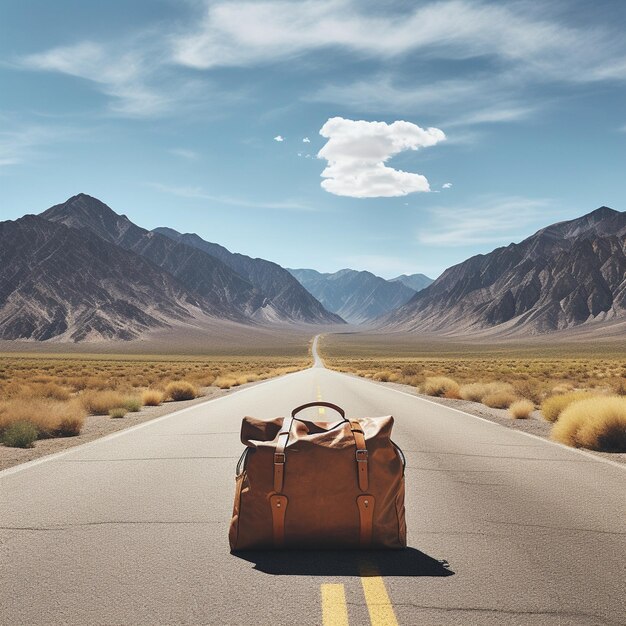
(305, 484)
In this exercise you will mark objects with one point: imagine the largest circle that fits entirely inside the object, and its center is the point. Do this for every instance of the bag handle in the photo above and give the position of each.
(329, 405)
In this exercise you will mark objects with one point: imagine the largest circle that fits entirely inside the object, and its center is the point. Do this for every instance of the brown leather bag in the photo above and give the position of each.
(305, 484)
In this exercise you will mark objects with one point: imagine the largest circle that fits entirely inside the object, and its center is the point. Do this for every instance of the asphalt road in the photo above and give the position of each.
(132, 529)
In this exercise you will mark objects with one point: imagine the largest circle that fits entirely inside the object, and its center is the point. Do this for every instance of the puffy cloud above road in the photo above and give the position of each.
(357, 151)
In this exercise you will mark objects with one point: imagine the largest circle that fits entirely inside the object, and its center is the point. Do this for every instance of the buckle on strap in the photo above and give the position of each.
(279, 458)
(361, 453)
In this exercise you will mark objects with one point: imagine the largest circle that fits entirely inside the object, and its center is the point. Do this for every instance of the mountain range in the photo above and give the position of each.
(565, 275)
(79, 271)
(358, 297)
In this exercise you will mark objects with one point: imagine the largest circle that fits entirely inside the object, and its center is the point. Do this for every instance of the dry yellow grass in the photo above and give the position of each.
(50, 417)
(225, 382)
(43, 375)
(181, 390)
(132, 404)
(101, 402)
(117, 412)
(50, 390)
(499, 399)
(532, 369)
(562, 388)
(552, 407)
(521, 409)
(477, 392)
(441, 387)
(152, 397)
(55, 391)
(596, 423)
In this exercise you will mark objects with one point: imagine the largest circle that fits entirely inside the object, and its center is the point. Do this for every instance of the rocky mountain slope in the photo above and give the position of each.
(286, 294)
(199, 272)
(565, 275)
(356, 296)
(58, 282)
(417, 282)
(198, 269)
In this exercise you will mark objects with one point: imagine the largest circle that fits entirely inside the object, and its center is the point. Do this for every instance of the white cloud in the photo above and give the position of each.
(490, 219)
(133, 74)
(245, 33)
(518, 41)
(306, 140)
(279, 138)
(446, 186)
(120, 75)
(357, 151)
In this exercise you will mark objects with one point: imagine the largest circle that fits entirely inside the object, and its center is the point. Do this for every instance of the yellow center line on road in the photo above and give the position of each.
(376, 597)
(321, 410)
(334, 607)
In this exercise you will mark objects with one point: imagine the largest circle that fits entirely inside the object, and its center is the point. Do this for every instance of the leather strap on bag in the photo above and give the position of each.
(365, 502)
(328, 405)
(278, 503)
(361, 455)
(279, 454)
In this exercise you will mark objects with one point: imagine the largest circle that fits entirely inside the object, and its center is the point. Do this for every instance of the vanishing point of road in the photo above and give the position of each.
(131, 529)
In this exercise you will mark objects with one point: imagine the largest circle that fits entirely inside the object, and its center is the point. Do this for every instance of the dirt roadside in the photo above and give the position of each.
(97, 426)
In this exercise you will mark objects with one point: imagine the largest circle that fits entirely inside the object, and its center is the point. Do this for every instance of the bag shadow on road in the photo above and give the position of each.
(407, 562)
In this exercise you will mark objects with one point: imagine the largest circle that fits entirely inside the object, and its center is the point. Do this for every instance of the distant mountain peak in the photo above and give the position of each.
(358, 296)
(603, 212)
(416, 282)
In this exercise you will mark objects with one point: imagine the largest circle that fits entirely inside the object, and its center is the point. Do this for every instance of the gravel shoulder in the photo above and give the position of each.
(97, 426)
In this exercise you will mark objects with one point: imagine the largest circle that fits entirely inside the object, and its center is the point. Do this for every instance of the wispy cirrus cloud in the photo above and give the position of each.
(490, 219)
(244, 33)
(480, 99)
(197, 193)
(25, 142)
(134, 74)
(144, 75)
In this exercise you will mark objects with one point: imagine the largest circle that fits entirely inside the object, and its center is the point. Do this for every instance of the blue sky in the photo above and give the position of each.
(436, 130)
